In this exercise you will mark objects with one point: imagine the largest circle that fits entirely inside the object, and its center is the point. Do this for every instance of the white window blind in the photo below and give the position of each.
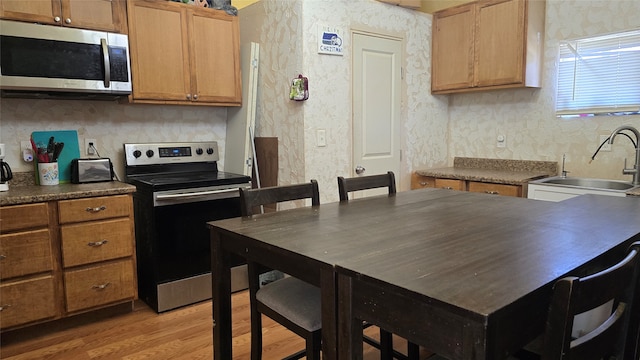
(599, 75)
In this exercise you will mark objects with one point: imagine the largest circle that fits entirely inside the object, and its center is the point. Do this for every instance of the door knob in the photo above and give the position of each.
(360, 169)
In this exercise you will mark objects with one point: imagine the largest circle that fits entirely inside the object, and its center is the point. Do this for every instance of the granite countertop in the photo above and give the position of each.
(500, 171)
(23, 191)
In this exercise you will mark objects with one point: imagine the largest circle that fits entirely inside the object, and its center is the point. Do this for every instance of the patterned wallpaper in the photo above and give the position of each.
(526, 117)
(436, 128)
(287, 32)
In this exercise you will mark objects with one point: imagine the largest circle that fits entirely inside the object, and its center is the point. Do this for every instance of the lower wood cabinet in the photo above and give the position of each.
(420, 182)
(495, 189)
(61, 258)
(103, 284)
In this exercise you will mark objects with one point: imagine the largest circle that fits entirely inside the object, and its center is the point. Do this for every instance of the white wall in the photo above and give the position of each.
(287, 32)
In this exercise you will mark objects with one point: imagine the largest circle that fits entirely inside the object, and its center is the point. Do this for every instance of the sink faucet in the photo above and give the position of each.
(636, 168)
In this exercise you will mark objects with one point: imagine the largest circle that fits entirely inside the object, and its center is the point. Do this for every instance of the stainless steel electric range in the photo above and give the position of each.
(179, 189)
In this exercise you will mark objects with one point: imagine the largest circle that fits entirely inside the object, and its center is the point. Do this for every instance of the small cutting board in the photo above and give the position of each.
(70, 151)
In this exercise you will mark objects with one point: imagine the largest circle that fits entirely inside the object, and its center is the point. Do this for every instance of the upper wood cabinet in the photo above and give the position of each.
(183, 54)
(486, 45)
(105, 15)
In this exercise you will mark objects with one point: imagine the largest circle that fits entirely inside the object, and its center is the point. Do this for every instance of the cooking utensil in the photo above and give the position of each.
(57, 150)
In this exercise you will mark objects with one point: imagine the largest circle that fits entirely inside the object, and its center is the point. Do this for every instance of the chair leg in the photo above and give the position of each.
(256, 317)
(413, 351)
(314, 344)
(386, 345)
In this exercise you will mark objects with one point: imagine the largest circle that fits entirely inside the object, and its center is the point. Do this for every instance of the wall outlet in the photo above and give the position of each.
(90, 150)
(321, 137)
(606, 146)
(501, 141)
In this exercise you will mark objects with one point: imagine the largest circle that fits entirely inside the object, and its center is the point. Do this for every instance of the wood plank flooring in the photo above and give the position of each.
(182, 334)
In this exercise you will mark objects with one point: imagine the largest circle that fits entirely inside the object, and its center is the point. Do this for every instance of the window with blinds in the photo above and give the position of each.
(599, 76)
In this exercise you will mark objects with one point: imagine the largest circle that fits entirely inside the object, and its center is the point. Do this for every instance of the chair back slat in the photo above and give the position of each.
(573, 296)
(347, 185)
(251, 198)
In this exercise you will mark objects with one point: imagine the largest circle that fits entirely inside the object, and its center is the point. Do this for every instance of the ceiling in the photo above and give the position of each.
(427, 6)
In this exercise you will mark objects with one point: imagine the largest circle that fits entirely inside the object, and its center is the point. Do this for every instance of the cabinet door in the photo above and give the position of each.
(40, 11)
(99, 285)
(500, 42)
(450, 184)
(107, 15)
(453, 48)
(25, 253)
(27, 301)
(495, 189)
(159, 51)
(215, 57)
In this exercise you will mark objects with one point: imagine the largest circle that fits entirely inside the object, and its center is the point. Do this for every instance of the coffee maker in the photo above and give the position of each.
(5, 171)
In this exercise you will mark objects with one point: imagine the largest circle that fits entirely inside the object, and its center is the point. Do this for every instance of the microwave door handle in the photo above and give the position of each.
(107, 65)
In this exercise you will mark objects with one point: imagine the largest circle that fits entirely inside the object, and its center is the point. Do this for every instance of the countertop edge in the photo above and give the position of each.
(18, 195)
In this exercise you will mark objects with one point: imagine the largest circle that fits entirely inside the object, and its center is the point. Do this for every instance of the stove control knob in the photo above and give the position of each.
(210, 151)
(149, 153)
(199, 151)
(137, 153)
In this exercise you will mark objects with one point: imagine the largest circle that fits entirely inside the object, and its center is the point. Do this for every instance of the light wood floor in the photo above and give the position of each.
(182, 334)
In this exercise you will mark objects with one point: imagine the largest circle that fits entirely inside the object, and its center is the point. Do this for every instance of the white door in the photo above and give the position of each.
(376, 105)
(238, 155)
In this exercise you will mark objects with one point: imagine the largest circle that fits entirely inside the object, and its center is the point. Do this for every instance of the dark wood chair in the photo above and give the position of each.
(291, 302)
(388, 180)
(345, 186)
(574, 295)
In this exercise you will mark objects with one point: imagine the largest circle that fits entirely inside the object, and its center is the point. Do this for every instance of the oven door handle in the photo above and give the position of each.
(195, 194)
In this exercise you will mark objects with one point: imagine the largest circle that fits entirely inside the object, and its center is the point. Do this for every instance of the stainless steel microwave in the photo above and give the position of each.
(50, 59)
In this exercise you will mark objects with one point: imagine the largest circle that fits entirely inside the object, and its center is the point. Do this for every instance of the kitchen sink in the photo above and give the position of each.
(602, 184)
(560, 188)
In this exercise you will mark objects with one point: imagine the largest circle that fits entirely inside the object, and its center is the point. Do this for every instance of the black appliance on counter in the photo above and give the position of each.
(179, 189)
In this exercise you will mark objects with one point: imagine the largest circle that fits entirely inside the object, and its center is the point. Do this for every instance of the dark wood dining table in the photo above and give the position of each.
(466, 275)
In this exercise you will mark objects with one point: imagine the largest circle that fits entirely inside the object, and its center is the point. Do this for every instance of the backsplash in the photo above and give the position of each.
(110, 123)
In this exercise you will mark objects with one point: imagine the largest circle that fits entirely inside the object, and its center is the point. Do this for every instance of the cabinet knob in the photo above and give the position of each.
(67, 20)
(97, 243)
(57, 19)
(188, 96)
(96, 209)
(101, 286)
(195, 96)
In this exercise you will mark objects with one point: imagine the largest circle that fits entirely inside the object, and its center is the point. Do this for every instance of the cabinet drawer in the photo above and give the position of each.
(25, 253)
(26, 301)
(450, 184)
(96, 208)
(496, 189)
(99, 285)
(26, 216)
(421, 182)
(94, 241)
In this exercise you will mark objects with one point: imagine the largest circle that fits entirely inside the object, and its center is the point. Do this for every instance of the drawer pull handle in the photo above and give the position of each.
(98, 243)
(100, 287)
(3, 307)
(492, 192)
(2, 257)
(447, 187)
(96, 209)
(424, 183)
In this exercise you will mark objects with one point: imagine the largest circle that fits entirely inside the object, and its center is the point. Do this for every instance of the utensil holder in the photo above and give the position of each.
(48, 173)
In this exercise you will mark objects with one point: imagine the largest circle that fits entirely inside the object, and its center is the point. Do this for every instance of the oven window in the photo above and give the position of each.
(183, 240)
